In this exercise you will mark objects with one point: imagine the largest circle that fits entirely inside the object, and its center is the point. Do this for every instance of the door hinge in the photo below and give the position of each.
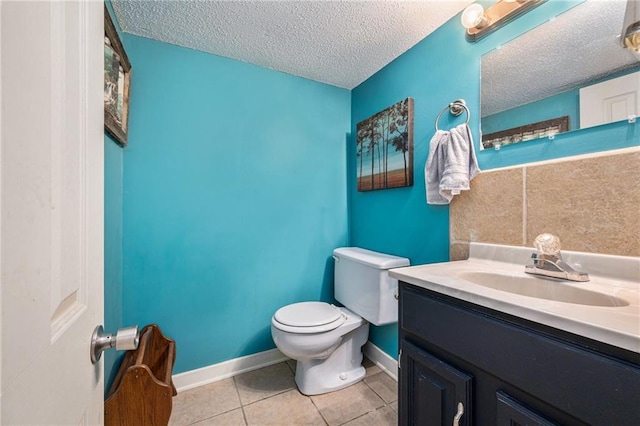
(399, 358)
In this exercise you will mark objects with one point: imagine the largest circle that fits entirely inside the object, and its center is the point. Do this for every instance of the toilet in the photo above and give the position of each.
(326, 340)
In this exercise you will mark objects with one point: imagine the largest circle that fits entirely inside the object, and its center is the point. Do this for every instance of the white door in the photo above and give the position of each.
(610, 101)
(51, 203)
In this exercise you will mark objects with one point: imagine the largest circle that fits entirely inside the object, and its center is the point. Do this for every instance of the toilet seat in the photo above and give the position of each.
(308, 317)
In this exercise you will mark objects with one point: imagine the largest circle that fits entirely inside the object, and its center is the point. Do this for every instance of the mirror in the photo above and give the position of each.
(533, 86)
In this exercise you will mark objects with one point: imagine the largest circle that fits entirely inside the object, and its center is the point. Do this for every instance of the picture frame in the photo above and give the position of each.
(117, 79)
(384, 148)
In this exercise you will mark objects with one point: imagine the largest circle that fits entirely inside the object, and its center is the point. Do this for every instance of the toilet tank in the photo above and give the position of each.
(363, 285)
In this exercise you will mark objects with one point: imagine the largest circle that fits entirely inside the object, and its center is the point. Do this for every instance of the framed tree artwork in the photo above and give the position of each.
(117, 77)
(384, 148)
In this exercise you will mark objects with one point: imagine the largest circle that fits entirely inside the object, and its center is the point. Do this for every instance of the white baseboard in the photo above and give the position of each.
(213, 373)
(224, 370)
(386, 363)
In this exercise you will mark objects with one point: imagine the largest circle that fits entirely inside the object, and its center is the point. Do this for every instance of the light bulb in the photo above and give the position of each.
(630, 34)
(473, 16)
(632, 40)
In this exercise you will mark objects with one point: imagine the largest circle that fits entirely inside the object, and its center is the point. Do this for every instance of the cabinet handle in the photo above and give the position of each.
(456, 418)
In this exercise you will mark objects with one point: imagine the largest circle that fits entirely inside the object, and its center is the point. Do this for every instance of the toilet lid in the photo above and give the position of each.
(308, 314)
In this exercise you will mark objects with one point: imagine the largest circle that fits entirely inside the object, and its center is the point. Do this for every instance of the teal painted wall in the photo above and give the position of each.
(113, 313)
(231, 195)
(113, 184)
(234, 198)
(439, 69)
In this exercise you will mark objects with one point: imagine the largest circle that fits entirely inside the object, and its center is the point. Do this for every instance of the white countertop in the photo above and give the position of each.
(615, 276)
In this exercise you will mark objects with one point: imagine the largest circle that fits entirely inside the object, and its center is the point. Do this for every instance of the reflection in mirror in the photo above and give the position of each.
(558, 76)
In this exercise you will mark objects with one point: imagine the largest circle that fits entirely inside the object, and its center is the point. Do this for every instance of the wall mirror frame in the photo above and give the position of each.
(533, 81)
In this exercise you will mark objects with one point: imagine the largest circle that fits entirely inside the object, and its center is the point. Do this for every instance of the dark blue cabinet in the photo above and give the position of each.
(510, 412)
(433, 389)
(510, 371)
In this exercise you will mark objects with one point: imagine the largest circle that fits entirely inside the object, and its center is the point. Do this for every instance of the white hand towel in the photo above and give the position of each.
(451, 165)
(434, 168)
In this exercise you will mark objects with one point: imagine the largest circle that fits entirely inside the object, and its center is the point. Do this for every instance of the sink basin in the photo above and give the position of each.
(542, 288)
(605, 309)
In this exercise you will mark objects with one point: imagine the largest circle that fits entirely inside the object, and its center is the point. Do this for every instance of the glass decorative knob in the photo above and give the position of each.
(547, 244)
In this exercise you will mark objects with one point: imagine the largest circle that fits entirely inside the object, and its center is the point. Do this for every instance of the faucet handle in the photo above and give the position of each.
(547, 244)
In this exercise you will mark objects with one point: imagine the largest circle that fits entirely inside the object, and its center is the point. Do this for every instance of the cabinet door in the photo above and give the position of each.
(512, 413)
(431, 389)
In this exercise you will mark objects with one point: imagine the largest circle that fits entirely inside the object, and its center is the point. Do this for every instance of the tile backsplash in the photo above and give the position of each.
(591, 202)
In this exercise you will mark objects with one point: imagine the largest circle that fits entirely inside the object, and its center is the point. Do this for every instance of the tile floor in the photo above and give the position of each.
(269, 396)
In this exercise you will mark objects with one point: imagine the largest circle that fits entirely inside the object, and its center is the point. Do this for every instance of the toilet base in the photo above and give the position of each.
(341, 369)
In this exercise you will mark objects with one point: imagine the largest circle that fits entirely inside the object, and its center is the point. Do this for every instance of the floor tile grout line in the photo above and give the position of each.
(267, 397)
(369, 412)
(356, 418)
(290, 368)
(279, 392)
(317, 409)
(211, 417)
(377, 394)
(244, 415)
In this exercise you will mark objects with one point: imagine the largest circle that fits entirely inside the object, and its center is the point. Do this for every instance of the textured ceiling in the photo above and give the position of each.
(578, 46)
(336, 42)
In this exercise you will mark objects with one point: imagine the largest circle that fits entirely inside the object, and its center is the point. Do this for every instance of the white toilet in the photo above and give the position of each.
(326, 340)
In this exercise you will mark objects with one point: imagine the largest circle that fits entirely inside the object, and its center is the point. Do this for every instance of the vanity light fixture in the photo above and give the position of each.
(630, 36)
(479, 22)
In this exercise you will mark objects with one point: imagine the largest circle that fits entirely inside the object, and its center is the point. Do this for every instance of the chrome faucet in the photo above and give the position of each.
(547, 261)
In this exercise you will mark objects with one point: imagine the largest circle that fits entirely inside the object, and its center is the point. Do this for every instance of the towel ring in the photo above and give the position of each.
(455, 108)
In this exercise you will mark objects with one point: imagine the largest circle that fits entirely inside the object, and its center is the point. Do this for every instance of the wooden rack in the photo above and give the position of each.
(141, 392)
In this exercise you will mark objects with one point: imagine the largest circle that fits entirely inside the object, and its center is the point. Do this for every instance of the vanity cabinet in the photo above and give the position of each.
(506, 370)
(433, 388)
